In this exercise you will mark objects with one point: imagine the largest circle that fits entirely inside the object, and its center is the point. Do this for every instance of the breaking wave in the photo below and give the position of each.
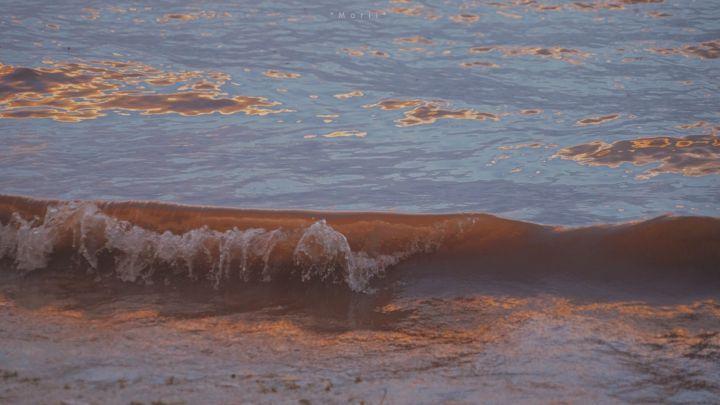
(96, 240)
(149, 242)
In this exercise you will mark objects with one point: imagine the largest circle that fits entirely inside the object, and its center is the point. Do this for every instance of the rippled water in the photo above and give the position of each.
(550, 111)
(553, 112)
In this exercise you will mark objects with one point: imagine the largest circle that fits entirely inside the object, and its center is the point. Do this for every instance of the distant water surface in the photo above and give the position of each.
(549, 111)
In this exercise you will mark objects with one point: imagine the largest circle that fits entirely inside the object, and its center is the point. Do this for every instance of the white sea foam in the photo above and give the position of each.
(319, 252)
(325, 253)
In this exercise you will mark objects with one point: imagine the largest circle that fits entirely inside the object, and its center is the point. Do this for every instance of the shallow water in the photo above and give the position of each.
(423, 340)
(590, 117)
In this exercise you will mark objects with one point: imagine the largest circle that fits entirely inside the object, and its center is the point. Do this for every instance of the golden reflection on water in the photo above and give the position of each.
(185, 17)
(471, 324)
(696, 124)
(395, 104)
(658, 14)
(479, 63)
(345, 96)
(76, 91)
(91, 13)
(693, 155)
(418, 39)
(596, 5)
(448, 330)
(363, 50)
(531, 111)
(415, 11)
(425, 112)
(572, 56)
(429, 114)
(465, 18)
(703, 50)
(276, 74)
(597, 120)
(509, 15)
(339, 134)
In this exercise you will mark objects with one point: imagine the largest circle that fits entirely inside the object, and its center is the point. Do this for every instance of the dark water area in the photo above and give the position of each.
(386, 202)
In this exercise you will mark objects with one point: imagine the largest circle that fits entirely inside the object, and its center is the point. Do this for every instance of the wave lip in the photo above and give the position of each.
(91, 238)
(150, 242)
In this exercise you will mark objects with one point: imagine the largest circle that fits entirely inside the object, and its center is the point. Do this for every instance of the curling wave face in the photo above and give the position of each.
(150, 242)
(169, 240)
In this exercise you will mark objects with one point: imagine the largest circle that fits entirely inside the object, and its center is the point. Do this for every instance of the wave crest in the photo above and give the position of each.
(148, 242)
(139, 254)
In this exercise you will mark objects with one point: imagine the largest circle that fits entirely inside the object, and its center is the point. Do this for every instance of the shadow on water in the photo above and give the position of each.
(316, 306)
(333, 308)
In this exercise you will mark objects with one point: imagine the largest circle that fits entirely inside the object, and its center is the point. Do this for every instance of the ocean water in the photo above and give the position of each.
(380, 202)
(556, 112)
